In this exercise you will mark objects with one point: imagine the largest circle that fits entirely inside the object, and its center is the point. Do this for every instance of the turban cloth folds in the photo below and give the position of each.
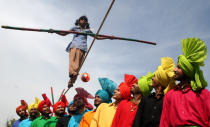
(165, 74)
(46, 101)
(145, 84)
(63, 103)
(125, 87)
(34, 105)
(70, 103)
(194, 54)
(23, 106)
(82, 93)
(108, 87)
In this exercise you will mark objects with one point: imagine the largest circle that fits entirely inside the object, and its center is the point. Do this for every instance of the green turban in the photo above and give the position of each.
(194, 54)
(145, 84)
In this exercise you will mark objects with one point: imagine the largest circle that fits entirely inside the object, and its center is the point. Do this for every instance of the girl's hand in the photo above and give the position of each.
(51, 31)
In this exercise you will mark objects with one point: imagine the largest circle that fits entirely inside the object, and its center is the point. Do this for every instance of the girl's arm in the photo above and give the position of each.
(97, 37)
(59, 33)
(62, 33)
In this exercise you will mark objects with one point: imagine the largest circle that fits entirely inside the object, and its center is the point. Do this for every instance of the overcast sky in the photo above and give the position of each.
(32, 62)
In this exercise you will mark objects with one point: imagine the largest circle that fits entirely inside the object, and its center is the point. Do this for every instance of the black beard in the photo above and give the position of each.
(177, 78)
(132, 92)
(135, 92)
(60, 114)
(72, 112)
(33, 115)
(81, 106)
(97, 105)
(45, 114)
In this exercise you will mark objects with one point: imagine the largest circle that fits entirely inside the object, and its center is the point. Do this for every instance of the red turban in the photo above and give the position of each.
(46, 101)
(63, 103)
(23, 106)
(125, 87)
(82, 93)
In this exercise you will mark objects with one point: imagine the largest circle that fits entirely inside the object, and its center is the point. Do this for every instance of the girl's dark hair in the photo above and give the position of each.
(83, 18)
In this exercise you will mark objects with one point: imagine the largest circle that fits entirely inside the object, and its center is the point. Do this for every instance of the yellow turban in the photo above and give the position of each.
(34, 105)
(165, 73)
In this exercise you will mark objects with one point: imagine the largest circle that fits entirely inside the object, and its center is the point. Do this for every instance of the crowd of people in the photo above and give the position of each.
(179, 98)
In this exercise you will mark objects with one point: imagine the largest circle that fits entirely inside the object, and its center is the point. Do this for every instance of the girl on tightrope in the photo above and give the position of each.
(77, 47)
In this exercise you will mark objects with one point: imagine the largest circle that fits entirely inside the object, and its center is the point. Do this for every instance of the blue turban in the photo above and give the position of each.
(108, 88)
(70, 103)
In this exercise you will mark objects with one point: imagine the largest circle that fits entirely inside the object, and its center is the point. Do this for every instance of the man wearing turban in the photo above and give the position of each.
(150, 108)
(45, 120)
(189, 103)
(101, 96)
(63, 121)
(127, 108)
(105, 112)
(83, 106)
(60, 106)
(33, 114)
(21, 112)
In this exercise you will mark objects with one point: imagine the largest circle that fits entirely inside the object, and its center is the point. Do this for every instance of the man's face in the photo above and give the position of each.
(72, 109)
(22, 113)
(155, 82)
(97, 101)
(33, 112)
(117, 95)
(135, 88)
(79, 102)
(46, 109)
(60, 110)
(179, 75)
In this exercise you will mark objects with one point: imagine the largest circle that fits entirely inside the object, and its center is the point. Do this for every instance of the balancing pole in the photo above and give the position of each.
(74, 32)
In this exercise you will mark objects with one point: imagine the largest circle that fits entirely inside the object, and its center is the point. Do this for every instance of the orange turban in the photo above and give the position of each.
(23, 106)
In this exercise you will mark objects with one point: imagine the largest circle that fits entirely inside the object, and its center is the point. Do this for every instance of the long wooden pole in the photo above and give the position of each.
(74, 32)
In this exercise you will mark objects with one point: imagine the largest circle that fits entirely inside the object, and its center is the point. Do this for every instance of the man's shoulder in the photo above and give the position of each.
(205, 93)
(104, 104)
(25, 120)
(87, 114)
(122, 102)
(125, 100)
(171, 92)
(53, 118)
(16, 122)
(37, 119)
